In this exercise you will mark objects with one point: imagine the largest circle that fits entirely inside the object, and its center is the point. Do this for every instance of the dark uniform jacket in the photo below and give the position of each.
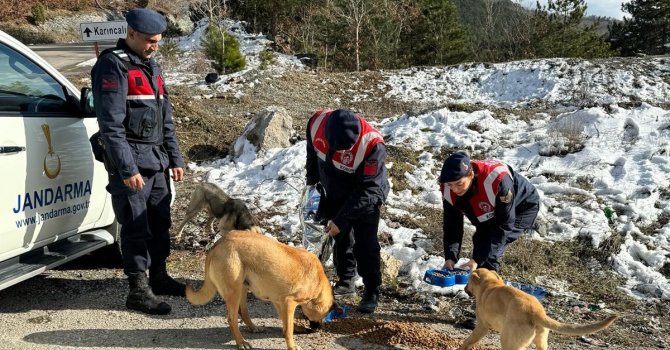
(354, 190)
(134, 114)
(493, 201)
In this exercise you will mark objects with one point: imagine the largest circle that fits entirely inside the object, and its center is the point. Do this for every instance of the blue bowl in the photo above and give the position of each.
(461, 275)
(439, 278)
(538, 292)
(335, 313)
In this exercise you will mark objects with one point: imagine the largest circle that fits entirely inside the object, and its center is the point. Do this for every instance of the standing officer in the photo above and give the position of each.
(346, 155)
(500, 202)
(140, 146)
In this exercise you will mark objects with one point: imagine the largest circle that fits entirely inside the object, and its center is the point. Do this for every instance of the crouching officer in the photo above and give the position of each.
(346, 155)
(498, 201)
(140, 147)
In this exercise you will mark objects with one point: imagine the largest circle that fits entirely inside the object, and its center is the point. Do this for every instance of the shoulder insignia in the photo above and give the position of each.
(507, 198)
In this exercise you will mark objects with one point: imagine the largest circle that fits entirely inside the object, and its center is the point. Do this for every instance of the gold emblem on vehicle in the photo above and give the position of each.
(51, 157)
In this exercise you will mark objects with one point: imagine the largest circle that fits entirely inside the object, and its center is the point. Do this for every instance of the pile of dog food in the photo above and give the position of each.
(395, 333)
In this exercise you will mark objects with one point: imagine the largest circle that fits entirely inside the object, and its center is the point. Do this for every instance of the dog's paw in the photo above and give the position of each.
(244, 346)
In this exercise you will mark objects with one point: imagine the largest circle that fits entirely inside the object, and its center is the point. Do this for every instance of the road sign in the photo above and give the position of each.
(103, 31)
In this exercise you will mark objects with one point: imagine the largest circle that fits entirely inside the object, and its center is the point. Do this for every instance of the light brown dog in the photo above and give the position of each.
(286, 276)
(518, 316)
(232, 214)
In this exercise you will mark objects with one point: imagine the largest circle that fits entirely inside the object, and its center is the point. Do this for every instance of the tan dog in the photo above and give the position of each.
(286, 276)
(518, 316)
(233, 214)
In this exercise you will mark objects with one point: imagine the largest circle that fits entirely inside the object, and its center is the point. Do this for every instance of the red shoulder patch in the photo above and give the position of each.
(370, 168)
(109, 84)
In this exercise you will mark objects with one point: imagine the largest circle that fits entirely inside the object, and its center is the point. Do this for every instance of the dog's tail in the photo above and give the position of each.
(203, 295)
(573, 329)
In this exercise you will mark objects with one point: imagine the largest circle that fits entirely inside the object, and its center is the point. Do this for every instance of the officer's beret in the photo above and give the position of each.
(455, 167)
(146, 21)
(342, 129)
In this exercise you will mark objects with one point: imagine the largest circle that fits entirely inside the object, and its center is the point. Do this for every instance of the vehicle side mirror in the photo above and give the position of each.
(86, 100)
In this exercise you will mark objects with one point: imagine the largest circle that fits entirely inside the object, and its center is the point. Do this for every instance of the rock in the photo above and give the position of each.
(182, 24)
(309, 59)
(271, 128)
(390, 268)
(211, 78)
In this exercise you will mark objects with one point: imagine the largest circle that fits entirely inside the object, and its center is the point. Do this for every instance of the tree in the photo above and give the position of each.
(223, 51)
(497, 30)
(354, 13)
(647, 31)
(559, 31)
(436, 37)
(386, 27)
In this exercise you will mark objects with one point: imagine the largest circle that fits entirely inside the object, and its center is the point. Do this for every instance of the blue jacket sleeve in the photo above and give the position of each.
(370, 191)
(169, 135)
(452, 231)
(504, 216)
(110, 89)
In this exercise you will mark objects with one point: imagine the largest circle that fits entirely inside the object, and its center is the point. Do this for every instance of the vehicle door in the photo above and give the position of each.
(46, 165)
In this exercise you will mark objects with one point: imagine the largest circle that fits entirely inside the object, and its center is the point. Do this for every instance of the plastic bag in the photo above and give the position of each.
(314, 239)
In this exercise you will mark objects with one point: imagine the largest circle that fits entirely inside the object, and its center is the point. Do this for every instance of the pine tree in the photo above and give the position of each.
(559, 31)
(437, 36)
(646, 31)
(224, 54)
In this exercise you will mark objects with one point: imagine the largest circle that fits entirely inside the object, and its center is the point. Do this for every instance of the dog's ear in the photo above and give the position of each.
(497, 275)
(474, 276)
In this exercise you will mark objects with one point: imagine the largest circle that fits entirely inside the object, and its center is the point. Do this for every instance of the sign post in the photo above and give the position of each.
(103, 31)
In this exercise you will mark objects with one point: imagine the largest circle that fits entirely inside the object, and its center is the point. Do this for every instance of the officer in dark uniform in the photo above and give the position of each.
(346, 155)
(498, 201)
(140, 148)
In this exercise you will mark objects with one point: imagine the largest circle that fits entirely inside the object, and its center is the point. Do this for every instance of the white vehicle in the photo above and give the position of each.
(53, 202)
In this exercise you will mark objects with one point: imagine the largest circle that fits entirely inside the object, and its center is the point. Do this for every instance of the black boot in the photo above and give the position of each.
(141, 298)
(344, 288)
(162, 284)
(368, 304)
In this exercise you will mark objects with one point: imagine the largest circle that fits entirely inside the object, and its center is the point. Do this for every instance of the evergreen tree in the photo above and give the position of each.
(497, 30)
(647, 31)
(559, 31)
(436, 37)
(225, 54)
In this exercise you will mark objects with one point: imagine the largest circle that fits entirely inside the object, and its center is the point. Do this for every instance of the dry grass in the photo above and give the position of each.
(28, 35)
(527, 259)
(566, 136)
(404, 161)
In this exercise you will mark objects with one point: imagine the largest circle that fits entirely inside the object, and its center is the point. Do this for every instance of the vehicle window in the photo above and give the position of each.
(25, 87)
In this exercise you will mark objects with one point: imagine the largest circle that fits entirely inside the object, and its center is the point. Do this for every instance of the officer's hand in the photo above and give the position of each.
(471, 265)
(331, 229)
(135, 182)
(178, 174)
(448, 265)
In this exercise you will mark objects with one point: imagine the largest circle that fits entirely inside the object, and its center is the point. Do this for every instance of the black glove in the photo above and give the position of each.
(320, 189)
(322, 213)
(311, 181)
